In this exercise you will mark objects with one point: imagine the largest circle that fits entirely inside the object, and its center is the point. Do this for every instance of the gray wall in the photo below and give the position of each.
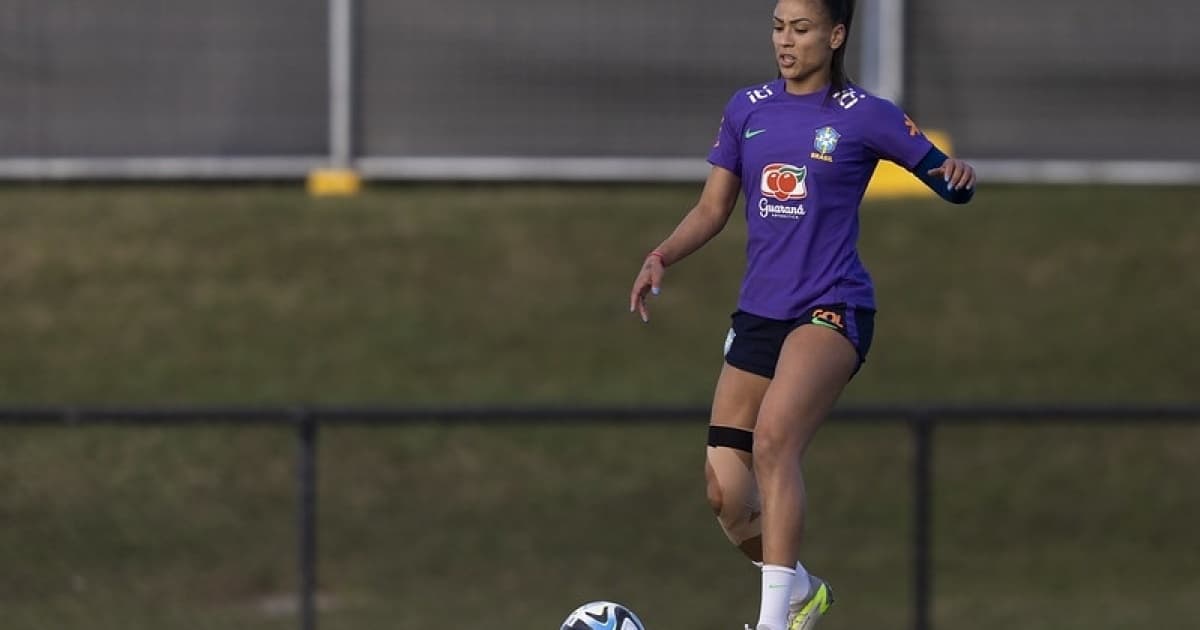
(163, 77)
(555, 78)
(1098, 79)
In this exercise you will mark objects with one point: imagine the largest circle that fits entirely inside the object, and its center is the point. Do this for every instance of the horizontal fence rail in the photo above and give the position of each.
(517, 414)
(307, 419)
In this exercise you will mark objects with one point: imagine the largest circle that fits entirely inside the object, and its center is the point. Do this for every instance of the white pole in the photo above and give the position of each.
(867, 27)
(891, 50)
(341, 68)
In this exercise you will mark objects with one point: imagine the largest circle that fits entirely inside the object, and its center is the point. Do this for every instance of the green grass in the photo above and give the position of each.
(512, 294)
(484, 293)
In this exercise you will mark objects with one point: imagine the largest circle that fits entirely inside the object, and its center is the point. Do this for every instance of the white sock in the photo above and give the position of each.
(801, 587)
(776, 589)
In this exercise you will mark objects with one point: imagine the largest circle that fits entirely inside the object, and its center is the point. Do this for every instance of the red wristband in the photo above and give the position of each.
(661, 259)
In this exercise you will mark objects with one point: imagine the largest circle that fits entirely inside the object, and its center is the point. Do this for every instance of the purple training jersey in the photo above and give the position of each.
(805, 162)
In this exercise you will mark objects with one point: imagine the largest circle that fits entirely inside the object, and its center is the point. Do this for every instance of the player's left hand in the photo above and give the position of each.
(957, 173)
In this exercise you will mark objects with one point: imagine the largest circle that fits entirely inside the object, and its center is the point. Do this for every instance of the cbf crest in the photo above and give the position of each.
(825, 143)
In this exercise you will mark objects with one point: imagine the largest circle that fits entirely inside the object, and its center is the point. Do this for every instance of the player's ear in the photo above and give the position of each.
(837, 36)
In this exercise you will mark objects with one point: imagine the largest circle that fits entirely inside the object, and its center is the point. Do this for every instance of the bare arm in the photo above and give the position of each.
(701, 223)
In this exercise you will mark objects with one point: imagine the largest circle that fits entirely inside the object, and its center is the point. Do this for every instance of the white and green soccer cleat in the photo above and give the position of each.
(803, 615)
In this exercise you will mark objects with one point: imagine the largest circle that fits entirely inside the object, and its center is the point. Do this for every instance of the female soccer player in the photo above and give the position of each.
(802, 149)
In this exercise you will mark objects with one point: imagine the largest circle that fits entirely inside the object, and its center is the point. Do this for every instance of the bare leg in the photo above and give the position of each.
(733, 495)
(813, 369)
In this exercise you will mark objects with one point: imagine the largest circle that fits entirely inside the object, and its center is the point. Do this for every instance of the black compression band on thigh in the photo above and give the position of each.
(740, 439)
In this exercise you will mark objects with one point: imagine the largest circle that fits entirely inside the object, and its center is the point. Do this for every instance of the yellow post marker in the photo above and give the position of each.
(333, 182)
(890, 181)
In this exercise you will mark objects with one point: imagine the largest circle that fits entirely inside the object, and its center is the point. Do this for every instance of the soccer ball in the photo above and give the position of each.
(602, 616)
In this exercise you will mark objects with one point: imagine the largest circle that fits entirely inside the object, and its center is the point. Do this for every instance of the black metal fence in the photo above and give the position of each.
(306, 421)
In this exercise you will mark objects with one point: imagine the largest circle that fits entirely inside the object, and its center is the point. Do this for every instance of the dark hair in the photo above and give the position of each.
(840, 12)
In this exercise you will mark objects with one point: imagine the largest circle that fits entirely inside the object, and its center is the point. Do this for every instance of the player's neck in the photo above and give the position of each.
(811, 84)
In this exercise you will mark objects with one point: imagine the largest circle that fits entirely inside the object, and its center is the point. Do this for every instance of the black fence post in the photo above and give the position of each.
(922, 425)
(306, 516)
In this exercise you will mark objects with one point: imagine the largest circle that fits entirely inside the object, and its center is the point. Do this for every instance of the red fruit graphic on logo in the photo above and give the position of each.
(787, 185)
(772, 181)
(784, 181)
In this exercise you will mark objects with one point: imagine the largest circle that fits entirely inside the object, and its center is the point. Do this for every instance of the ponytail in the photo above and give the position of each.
(840, 12)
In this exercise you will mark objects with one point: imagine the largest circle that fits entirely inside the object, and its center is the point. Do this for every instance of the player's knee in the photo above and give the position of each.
(775, 442)
(768, 445)
(731, 489)
(733, 494)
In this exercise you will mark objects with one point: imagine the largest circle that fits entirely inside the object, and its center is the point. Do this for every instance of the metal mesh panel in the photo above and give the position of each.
(163, 77)
(554, 78)
(1083, 80)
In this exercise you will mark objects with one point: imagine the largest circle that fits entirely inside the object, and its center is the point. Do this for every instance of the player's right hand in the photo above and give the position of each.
(649, 280)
